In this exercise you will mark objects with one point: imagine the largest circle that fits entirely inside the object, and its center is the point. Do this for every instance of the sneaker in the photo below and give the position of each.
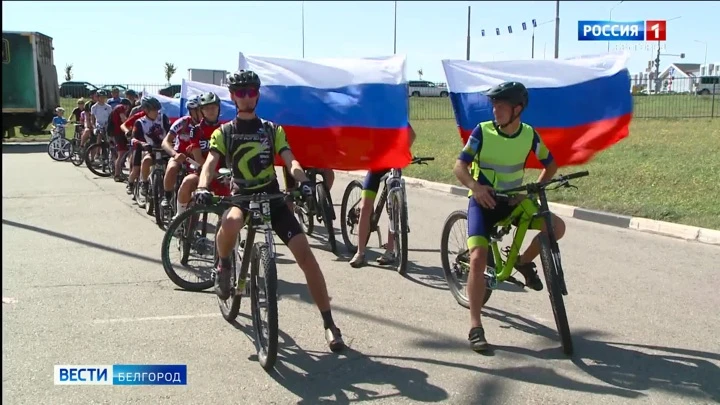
(358, 260)
(532, 279)
(129, 188)
(222, 282)
(144, 188)
(477, 339)
(387, 258)
(334, 339)
(165, 203)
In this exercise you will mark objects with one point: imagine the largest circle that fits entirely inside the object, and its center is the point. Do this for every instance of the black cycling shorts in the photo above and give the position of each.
(283, 221)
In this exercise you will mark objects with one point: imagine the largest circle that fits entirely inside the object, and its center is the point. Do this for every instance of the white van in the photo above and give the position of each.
(708, 85)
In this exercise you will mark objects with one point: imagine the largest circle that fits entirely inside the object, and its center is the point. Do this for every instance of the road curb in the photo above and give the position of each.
(25, 147)
(679, 231)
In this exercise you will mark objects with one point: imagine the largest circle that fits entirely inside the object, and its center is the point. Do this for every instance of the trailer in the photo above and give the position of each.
(30, 91)
(209, 76)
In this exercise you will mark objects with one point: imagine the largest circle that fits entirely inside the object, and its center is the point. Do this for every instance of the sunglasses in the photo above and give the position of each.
(251, 92)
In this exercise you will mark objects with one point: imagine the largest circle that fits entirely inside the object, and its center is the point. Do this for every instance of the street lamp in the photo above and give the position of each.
(611, 10)
(533, 36)
(657, 60)
(704, 43)
(395, 32)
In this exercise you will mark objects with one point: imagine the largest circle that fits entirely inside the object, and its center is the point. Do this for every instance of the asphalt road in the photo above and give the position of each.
(83, 284)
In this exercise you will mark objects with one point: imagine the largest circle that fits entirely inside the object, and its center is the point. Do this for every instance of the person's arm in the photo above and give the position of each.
(167, 143)
(545, 157)
(481, 193)
(283, 149)
(93, 118)
(217, 152)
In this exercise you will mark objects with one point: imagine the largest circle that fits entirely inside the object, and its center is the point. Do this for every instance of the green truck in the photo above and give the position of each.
(30, 91)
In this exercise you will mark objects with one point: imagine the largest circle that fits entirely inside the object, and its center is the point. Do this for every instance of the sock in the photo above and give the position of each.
(181, 207)
(225, 262)
(168, 195)
(327, 319)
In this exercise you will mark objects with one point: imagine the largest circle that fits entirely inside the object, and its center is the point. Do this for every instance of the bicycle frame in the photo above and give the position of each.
(394, 184)
(523, 225)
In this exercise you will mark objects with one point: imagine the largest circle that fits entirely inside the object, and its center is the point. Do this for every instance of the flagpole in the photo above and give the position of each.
(303, 29)
(557, 28)
(467, 50)
(395, 32)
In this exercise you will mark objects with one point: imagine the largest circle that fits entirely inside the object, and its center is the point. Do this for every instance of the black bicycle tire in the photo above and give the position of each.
(77, 150)
(158, 190)
(165, 251)
(556, 298)
(53, 157)
(89, 164)
(186, 246)
(447, 226)
(267, 356)
(402, 250)
(343, 215)
(326, 207)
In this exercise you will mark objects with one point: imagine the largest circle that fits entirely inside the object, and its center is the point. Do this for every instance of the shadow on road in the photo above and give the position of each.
(20, 147)
(80, 241)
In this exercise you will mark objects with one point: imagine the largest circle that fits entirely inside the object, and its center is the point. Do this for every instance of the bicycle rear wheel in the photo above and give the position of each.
(551, 268)
(158, 191)
(100, 164)
(457, 270)
(263, 295)
(350, 215)
(59, 149)
(326, 210)
(400, 219)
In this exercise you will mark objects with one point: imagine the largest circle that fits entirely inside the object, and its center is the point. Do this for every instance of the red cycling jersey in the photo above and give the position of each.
(201, 134)
(182, 129)
(130, 122)
(115, 116)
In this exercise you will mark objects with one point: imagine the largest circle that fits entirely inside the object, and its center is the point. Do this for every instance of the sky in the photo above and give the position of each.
(209, 35)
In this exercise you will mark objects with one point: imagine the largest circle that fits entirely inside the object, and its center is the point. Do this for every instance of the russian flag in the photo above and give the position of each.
(579, 106)
(169, 106)
(346, 114)
(190, 89)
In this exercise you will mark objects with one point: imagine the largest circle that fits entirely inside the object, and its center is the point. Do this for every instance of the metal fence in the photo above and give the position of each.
(679, 98)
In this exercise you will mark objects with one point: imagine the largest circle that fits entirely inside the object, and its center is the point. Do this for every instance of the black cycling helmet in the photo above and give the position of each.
(192, 104)
(513, 92)
(126, 102)
(243, 78)
(149, 102)
(102, 93)
(208, 99)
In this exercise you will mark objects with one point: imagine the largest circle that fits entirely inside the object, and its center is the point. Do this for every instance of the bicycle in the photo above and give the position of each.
(159, 162)
(260, 262)
(59, 148)
(103, 151)
(321, 208)
(77, 154)
(394, 199)
(506, 258)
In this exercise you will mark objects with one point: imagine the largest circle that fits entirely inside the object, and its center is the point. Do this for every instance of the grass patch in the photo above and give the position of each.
(655, 106)
(667, 170)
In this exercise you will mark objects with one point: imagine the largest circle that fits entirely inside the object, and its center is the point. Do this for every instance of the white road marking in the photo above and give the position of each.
(157, 318)
(8, 300)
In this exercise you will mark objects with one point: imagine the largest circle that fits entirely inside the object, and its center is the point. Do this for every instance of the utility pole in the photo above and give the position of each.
(557, 28)
(467, 50)
(303, 29)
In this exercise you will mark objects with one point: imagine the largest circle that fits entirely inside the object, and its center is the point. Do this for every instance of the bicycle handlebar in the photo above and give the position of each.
(421, 160)
(533, 188)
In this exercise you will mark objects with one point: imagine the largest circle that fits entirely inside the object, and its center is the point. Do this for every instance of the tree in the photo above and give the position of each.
(170, 70)
(420, 73)
(68, 72)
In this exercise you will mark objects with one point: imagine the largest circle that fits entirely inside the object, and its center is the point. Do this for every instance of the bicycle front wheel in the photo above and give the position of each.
(400, 219)
(326, 210)
(263, 297)
(350, 215)
(77, 156)
(98, 161)
(551, 268)
(59, 149)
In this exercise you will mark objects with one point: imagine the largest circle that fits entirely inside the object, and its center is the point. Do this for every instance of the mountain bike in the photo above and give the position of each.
(394, 200)
(158, 164)
(77, 154)
(100, 157)
(501, 262)
(321, 208)
(59, 148)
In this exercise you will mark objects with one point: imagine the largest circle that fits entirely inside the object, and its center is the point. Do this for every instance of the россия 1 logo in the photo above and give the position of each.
(651, 30)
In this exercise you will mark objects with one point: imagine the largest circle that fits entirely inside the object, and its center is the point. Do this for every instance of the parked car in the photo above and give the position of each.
(76, 89)
(424, 88)
(708, 85)
(171, 90)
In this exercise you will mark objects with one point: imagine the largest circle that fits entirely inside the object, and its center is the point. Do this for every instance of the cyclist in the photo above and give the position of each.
(498, 151)
(148, 132)
(175, 144)
(59, 122)
(248, 145)
(115, 99)
(132, 96)
(199, 146)
(371, 185)
(117, 117)
(88, 132)
(77, 111)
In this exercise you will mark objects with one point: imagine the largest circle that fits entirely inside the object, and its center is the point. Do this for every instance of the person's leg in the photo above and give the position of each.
(477, 243)
(371, 185)
(225, 239)
(290, 232)
(145, 173)
(171, 173)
